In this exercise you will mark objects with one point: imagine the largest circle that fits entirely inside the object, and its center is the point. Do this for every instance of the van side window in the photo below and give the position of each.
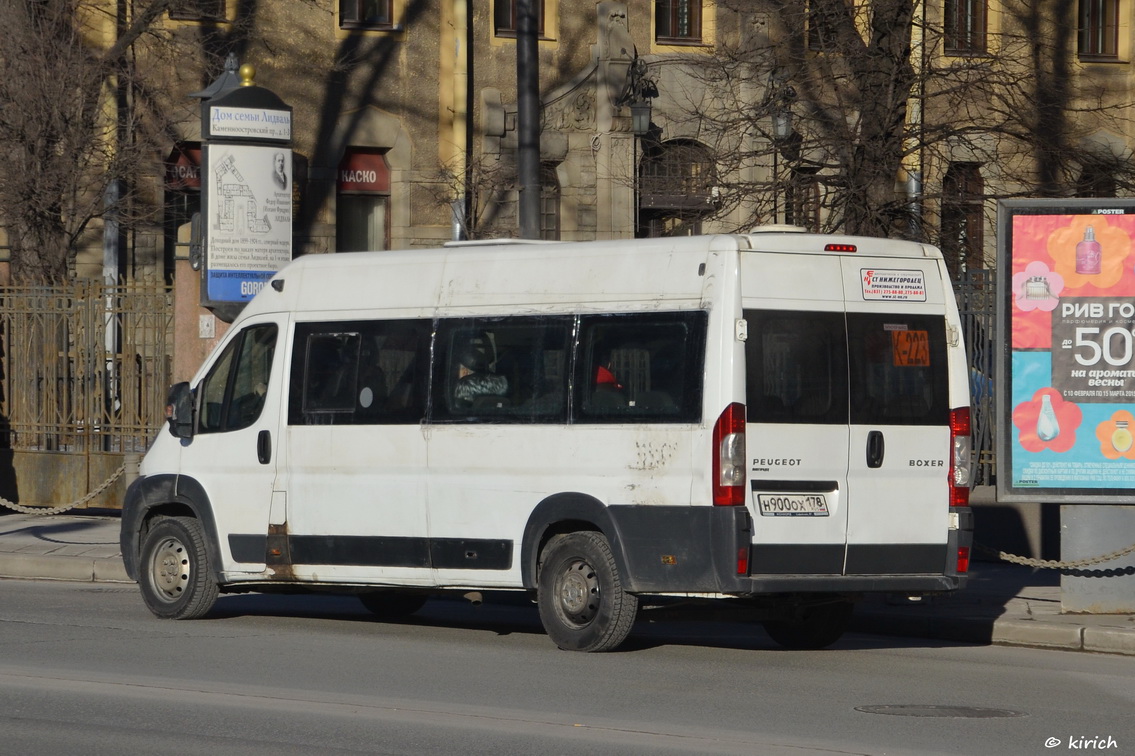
(330, 369)
(641, 367)
(359, 372)
(796, 367)
(233, 393)
(898, 369)
(510, 369)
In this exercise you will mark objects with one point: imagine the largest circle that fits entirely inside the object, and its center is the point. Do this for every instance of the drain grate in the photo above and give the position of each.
(956, 712)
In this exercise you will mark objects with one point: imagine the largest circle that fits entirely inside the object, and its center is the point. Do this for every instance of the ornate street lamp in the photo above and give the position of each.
(637, 93)
(640, 117)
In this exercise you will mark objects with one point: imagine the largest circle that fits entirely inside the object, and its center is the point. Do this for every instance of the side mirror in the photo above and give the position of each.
(179, 410)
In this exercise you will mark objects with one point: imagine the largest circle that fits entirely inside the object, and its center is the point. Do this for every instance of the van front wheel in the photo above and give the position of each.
(175, 577)
(583, 606)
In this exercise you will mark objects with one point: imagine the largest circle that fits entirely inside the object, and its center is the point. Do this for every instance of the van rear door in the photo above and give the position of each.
(848, 414)
(899, 450)
(797, 433)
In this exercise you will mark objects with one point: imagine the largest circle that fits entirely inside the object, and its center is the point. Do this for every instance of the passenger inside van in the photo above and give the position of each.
(609, 392)
(475, 378)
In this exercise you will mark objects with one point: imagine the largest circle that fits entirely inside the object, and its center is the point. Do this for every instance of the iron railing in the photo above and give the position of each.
(86, 366)
(976, 292)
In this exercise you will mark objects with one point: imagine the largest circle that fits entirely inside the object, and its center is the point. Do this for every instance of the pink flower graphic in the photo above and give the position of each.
(1037, 287)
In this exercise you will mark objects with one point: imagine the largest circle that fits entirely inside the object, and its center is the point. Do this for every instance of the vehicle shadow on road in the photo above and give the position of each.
(514, 614)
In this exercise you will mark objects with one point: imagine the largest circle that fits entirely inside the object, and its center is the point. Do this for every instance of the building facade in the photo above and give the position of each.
(406, 125)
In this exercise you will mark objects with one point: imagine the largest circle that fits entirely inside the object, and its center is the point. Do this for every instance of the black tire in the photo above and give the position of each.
(392, 605)
(815, 627)
(583, 606)
(174, 573)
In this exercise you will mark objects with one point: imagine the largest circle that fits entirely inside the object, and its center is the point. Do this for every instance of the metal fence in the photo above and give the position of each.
(976, 292)
(86, 366)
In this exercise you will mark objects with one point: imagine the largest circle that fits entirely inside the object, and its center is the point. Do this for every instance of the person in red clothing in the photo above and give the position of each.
(604, 378)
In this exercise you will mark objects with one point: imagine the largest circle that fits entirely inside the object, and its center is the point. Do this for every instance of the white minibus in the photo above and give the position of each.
(777, 419)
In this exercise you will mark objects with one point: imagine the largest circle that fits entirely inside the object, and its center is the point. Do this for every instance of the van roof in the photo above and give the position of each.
(518, 275)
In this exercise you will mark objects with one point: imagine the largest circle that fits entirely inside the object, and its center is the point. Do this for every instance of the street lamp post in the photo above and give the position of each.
(782, 132)
(637, 93)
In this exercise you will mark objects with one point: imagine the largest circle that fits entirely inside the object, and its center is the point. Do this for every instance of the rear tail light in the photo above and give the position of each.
(961, 457)
(963, 560)
(729, 457)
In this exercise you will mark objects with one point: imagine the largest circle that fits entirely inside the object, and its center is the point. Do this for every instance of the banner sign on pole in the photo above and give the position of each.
(247, 182)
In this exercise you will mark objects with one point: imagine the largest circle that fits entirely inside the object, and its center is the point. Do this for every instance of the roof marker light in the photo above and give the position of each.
(840, 248)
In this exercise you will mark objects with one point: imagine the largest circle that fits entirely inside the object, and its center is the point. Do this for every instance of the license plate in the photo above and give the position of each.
(792, 505)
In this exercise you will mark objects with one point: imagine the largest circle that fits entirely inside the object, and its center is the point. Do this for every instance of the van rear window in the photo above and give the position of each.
(898, 369)
(796, 367)
(832, 368)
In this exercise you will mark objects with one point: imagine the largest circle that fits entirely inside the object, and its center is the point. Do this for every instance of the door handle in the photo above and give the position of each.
(264, 447)
(875, 449)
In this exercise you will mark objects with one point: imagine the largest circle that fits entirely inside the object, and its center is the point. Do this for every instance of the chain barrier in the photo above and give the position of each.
(65, 507)
(1052, 564)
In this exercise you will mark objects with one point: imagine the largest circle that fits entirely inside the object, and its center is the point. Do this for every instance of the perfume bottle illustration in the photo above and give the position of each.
(1121, 438)
(1046, 426)
(1037, 288)
(1088, 253)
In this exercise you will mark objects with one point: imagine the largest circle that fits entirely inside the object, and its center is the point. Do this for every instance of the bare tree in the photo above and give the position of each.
(848, 99)
(77, 124)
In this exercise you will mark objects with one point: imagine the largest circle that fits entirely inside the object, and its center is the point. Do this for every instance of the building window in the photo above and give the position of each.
(505, 20)
(963, 218)
(965, 25)
(1099, 28)
(1097, 180)
(366, 14)
(676, 181)
(802, 203)
(821, 26)
(197, 10)
(362, 207)
(549, 204)
(677, 21)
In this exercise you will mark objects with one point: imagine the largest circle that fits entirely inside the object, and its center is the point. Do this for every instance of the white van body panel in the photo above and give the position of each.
(457, 492)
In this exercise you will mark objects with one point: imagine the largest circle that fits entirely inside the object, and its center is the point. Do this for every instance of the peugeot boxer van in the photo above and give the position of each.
(778, 420)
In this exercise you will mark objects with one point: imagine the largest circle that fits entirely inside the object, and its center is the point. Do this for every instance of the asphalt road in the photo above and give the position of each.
(86, 669)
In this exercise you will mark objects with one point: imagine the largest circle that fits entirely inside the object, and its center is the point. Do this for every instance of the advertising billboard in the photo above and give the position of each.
(1065, 377)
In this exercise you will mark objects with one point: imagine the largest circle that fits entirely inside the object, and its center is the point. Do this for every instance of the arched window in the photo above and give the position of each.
(1097, 179)
(675, 189)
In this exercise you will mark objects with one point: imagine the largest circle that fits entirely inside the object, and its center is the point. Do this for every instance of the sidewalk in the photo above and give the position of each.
(1003, 603)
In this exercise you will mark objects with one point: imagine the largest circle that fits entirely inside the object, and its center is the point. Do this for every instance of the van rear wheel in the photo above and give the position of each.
(176, 579)
(813, 627)
(580, 595)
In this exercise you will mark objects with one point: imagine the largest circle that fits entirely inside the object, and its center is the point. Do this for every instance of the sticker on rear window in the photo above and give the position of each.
(910, 348)
(894, 285)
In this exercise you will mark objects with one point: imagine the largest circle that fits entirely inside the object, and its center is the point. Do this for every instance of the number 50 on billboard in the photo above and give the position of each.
(1065, 383)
